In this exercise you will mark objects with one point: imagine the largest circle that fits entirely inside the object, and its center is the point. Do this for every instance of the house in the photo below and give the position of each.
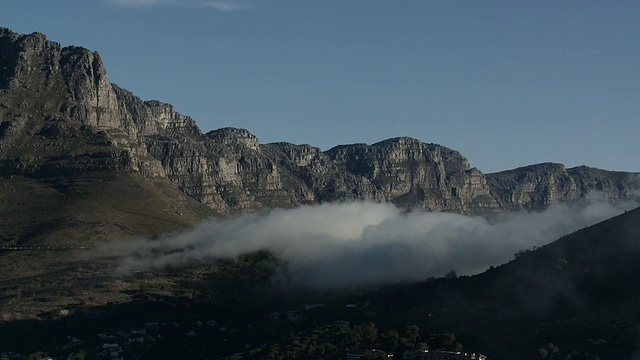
(135, 340)
(441, 355)
(105, 336)
(354, 354)
(151, 325)
(294, 315)
(11, 354)
(274, 316)
(141, 331)
(73, 342)
(312, 306)
(358, 353)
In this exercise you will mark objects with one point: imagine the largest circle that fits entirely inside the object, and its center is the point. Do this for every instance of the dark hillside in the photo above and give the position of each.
(580, 293)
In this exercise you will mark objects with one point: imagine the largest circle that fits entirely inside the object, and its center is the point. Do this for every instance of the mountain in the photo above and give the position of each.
(537, 186)
(60, 115)
(575, 298)
(577, 292)
(85, 162)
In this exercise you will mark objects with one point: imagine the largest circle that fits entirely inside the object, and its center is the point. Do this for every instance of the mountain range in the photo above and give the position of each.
(61, 117)
(84, 162)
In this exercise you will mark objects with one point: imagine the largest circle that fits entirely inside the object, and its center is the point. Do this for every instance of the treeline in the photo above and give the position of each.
(22, 247)
(335, 340)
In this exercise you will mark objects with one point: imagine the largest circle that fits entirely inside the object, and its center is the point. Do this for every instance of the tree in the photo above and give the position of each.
(413, 333)
(442, 341)
(37, 355)
(375, 355)
(365, 334)
(560, 264)
(391, 340)
(80, 355)
(542, 353)
(274, 353)
(451, 275)
(553, 349)
(548, 352)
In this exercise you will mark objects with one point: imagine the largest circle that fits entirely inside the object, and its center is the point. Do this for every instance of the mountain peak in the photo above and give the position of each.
(400, 140)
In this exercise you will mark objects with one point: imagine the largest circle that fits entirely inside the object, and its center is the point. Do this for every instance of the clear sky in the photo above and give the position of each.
(507, 83)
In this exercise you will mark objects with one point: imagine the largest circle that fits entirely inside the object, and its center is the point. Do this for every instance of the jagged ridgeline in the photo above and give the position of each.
(60, 115)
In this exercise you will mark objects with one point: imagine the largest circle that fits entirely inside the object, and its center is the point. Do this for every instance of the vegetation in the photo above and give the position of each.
(572, 299)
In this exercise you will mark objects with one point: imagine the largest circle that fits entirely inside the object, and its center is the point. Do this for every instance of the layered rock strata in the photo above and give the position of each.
(59, 114)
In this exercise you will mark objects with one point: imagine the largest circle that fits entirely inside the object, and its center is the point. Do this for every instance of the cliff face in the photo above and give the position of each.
(537, 186)
(414, 174)
(59, 114)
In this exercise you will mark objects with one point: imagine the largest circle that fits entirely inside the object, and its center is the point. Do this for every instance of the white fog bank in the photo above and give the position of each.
(363, 243)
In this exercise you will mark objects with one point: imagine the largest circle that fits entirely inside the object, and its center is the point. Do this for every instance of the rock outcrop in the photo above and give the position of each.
(59, 114)
(536, 187)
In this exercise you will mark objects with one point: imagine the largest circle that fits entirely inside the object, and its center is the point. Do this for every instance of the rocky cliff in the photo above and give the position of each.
(59, 114)
(537, 186)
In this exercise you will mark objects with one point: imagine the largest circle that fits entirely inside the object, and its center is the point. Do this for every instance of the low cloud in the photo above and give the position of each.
(226, 5)
(362, 243)
(222, 5)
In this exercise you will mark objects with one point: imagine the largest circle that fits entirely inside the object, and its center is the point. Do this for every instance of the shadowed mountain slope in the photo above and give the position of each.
(578, 293)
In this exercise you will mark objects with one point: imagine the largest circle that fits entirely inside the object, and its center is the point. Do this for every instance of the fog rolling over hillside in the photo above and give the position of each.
(362, 243)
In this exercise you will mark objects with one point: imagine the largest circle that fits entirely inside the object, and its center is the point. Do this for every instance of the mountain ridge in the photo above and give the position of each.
(85, 162)
(60, 113)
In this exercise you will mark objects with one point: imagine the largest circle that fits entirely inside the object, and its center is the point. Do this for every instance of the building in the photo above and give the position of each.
(441, 355)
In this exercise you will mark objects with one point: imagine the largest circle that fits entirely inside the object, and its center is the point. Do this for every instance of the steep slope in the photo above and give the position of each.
(415, 174)
(73, 171)
(92, 207)
(49, 224)
(60, 113)
(67, 138)
(578, 293)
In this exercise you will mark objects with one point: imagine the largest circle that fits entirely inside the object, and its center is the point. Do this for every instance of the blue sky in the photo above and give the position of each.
(507, 83)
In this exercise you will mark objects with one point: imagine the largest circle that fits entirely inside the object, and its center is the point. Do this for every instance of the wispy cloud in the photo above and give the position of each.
(221, 5)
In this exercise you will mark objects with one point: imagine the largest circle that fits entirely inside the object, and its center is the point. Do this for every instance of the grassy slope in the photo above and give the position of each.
(83, 209)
